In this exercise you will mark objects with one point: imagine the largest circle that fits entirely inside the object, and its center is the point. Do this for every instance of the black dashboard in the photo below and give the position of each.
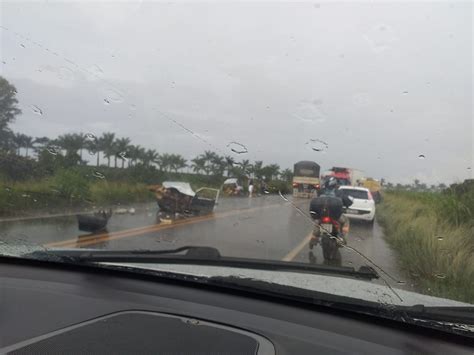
(54, 309)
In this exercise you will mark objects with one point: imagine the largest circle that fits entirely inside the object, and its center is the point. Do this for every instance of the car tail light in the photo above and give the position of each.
(326, 220)
(316, 186)
(295, 184)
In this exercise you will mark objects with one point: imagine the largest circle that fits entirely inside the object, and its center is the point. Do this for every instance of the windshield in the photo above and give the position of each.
(150, 126)
(360, 194)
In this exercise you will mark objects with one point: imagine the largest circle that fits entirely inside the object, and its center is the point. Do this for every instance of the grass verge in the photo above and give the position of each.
(433, 246)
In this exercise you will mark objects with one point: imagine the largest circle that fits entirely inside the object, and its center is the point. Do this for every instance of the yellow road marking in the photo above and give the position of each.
(98, 238)
(296, 250)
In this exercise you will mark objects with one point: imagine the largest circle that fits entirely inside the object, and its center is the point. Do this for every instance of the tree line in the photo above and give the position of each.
(118, 152)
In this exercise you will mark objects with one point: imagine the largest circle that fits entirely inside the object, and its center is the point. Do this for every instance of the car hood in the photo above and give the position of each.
(335, 285)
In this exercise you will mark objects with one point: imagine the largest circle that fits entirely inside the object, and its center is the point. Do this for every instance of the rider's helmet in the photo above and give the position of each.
(331, 183)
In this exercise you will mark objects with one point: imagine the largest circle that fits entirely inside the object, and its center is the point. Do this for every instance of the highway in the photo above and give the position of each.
(266, 227)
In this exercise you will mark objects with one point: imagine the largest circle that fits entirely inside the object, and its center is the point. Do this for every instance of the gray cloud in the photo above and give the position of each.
(380, 84)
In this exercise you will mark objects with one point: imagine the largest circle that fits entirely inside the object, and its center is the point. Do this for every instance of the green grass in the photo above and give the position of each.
(103, 193)
(90, 187)
(433, 236)
(47, 196)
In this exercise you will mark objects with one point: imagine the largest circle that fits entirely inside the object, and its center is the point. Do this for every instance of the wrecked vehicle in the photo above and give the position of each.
(232, 187)
(177, 198)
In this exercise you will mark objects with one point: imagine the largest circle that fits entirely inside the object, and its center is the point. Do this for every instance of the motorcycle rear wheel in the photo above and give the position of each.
(329, 247)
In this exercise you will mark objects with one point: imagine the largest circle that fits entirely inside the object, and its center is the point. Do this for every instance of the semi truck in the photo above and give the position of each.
(346, 176)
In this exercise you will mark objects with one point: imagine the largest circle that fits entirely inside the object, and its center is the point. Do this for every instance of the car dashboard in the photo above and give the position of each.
(49, 308)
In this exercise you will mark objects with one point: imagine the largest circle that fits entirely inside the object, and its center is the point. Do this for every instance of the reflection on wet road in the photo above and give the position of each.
(264, 227)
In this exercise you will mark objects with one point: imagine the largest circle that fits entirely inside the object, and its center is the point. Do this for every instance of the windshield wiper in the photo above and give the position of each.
(197, 255)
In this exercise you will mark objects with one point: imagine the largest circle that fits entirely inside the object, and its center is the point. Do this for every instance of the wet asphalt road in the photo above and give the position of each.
(264, 227)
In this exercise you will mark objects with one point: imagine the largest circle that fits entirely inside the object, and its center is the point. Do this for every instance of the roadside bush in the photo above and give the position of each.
(72, 185)
(276, 185)
(105, 193)
(17, 168)
(435, 245)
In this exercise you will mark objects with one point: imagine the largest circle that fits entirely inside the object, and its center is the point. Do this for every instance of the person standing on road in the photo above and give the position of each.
(250, 187)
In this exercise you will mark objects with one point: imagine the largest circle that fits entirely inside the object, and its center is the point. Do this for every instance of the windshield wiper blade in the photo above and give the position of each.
(441, 314)
(197, 255)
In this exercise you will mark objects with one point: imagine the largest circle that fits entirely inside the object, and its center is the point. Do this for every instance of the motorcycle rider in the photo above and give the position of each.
(331, 188)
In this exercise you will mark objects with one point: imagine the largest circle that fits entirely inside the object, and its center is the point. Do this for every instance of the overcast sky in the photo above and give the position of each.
(381, 84)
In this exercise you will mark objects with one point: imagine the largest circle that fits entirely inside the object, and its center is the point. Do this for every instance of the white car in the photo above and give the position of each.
(363, 206)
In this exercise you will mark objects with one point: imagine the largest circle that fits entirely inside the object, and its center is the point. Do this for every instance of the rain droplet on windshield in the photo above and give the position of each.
(318, 145)
(400, 282)
(440, 276)
(52, 150)
(123, 155)
(439, 238)
(361, 99)
(237, 148)
(311, 112)
(106, 101)
(98, 175)
(65, 73)
(22, 45)
(405, 93)
(36, 110)
(90, 137)
(421, 156)
(113, 95)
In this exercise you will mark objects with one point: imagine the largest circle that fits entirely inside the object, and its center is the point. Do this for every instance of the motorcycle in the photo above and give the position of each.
(331, 226)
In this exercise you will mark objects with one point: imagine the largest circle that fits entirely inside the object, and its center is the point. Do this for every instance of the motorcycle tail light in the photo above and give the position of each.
(326, 220)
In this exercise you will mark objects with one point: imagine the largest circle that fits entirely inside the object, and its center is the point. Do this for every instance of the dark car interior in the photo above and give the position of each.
(49, 308)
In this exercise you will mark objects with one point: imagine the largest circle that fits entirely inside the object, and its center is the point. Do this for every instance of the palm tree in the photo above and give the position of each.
(40, 143)
(133, 153)
(246, 166)
(164, 162)
(208, 157)
(257, 169)
(28, 143)
(121, 146)
(274, 170)
(18, 142)
(177, 162)
(81, 141)
(218, 165)
(108, 140)
(7, 141)
(287, 175)
(150, 156)
(71, 143)
(198, 164)
(230, 161)
(95, 146)
(271, 171)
